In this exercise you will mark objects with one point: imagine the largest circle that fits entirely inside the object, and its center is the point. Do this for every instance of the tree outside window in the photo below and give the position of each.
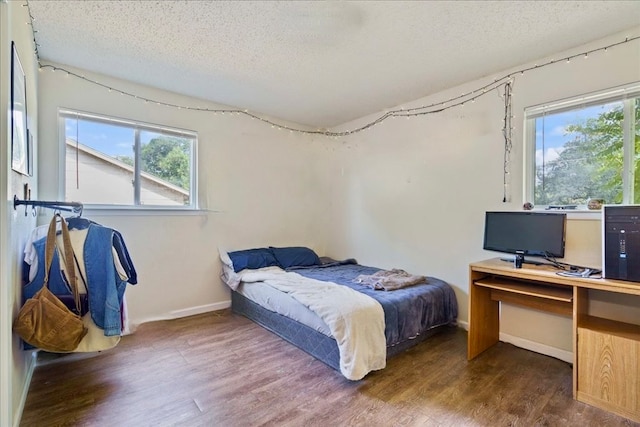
(586, 151)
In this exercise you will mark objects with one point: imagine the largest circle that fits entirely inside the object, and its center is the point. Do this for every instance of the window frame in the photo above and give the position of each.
(137, 127)
(625, 93)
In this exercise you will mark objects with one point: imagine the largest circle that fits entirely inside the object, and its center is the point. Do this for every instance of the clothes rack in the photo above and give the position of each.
(75, 207)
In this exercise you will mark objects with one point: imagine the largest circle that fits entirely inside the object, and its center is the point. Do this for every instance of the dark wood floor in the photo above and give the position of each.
(220, 369)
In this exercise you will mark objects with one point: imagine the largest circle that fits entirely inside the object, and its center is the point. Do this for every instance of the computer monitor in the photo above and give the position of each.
(538, 234)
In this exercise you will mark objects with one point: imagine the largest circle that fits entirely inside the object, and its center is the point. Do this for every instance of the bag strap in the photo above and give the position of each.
(68, 257)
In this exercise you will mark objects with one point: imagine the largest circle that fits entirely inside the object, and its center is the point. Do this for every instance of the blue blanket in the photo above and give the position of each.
(408, 312)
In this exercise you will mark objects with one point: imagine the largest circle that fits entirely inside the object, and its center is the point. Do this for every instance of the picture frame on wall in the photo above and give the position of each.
(29, 152)
(19, 138)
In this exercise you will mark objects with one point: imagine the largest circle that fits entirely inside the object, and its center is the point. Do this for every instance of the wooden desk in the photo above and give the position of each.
(606, 352)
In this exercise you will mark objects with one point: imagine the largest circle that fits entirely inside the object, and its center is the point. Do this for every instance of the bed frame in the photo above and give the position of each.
(316, 344)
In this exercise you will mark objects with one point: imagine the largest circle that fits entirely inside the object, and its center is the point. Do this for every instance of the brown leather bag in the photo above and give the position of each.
(44, 321)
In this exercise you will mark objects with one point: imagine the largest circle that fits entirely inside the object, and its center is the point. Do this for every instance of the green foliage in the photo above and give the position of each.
(168, 159)
(125, 159)
(591, 163)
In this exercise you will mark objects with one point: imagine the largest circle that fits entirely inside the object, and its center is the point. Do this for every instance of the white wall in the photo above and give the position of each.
(15, 364)
(258, 186)
(412, 193)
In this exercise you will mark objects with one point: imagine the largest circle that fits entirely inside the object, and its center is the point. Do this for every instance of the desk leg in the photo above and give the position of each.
(484, 319)
(580, 309)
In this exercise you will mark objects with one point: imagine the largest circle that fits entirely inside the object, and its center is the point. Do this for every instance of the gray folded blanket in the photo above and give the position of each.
(389, 280)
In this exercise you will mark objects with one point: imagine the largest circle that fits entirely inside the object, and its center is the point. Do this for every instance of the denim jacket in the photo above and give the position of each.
(57, 282)
(106, 287)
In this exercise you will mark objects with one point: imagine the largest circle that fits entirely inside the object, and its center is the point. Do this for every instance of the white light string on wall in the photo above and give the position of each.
(507, 131)
(436, 107)
(409, 112)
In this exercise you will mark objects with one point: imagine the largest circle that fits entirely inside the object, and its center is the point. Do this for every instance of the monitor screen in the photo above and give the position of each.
(533, 233)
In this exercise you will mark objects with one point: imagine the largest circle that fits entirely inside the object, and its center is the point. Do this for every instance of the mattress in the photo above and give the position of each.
(317, 344)
(408, 312)
(282, 303)
(412, 314)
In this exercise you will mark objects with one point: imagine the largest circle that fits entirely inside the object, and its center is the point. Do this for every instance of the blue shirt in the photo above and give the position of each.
(105, 286)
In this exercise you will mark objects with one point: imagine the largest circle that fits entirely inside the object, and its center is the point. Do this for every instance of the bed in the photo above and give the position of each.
(331, 309)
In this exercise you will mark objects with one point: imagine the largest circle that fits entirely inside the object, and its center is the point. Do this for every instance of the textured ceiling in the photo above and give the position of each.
(319, 63)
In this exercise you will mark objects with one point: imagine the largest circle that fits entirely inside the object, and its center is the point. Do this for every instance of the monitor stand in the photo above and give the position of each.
(525, 261)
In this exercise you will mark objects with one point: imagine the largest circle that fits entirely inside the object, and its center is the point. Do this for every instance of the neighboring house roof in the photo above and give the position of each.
(113, 162)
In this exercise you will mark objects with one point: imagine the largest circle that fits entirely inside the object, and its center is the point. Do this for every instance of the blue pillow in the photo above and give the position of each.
(295, 256)
(252, 258)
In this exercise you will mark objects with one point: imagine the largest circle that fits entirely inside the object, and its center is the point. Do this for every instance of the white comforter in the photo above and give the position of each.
(355, 320)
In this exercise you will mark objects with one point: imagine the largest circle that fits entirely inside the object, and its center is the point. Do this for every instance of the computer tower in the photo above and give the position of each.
(621, 242)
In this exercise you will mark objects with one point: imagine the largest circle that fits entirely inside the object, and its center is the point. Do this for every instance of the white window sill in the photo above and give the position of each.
(577, 214)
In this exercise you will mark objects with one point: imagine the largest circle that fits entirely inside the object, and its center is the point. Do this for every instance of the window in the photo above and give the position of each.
(584, 148)
(119, 163)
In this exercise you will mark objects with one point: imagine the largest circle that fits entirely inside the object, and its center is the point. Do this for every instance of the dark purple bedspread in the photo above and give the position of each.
(408, 312)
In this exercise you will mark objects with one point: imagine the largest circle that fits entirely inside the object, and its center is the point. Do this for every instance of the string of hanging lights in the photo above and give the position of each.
(507, 131)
